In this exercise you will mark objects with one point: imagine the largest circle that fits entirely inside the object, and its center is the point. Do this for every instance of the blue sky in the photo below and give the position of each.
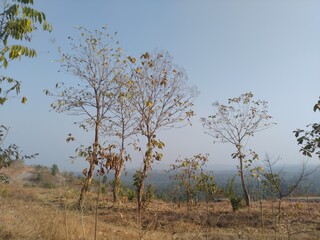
(271, 48)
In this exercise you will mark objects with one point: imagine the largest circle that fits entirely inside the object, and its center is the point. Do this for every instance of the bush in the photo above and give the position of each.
(39, 177)
(149, 194)
(131, 194)
(48, 185)
(236, 203)
(4, 179)
(54, 169)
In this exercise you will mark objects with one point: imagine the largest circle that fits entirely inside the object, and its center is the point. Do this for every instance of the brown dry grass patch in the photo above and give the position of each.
(37, 213)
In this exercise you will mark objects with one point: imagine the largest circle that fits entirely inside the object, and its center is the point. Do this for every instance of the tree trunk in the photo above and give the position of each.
(116, 186)
(243, 183)
(86, 185)
(144, 174)
(117, 174)
(97, 205)
(94, 159)
(140, 191)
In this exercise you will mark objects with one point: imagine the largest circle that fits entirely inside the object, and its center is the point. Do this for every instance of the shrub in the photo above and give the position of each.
(131, 194)
(4, 179)
(48, 185)
(149, 194)
(236, 203)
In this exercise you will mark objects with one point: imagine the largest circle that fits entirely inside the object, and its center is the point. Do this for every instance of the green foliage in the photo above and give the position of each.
(137, 177)
(18, 21)
(310, 140)
(4, 179)
(236, 203)
(272, 181)
(131, 194)
(206, 184)
(54, 169)
(11, 153)
(229, 190)
(189, 175)
(44, 178)
(39, 177)
(235, 200)
(149, 193)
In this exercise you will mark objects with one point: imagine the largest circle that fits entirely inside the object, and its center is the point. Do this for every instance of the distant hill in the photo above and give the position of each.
(39, 175)
(161, 179)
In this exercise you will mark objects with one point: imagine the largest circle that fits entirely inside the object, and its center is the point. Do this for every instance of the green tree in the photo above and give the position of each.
(150, 193)
(54, 169)
(310, 140)
(18, 20)
(162, 100)
(96, 61)
(235, 123)
(207, 185)
(189, 176)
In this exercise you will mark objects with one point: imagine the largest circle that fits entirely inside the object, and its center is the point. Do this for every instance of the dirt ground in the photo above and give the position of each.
(32, 212)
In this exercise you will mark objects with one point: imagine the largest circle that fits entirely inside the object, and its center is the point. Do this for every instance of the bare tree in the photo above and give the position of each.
(276, 180)
(122, 124)
(10, 154)
(96, 62)
(235, 123)
(162, 100)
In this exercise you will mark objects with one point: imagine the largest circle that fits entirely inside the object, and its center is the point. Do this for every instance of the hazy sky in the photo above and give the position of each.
(271, 48)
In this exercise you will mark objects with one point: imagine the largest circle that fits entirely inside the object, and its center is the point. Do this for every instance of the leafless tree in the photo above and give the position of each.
(276, 179)
(235, 123)
(162, 100)
(97, 65)
(122, 125)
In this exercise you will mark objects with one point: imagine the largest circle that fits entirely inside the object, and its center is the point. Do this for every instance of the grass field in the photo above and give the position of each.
(34, 212)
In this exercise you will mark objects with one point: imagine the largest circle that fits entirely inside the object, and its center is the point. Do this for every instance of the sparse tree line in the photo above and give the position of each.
(124, 97)
(123, 101)
(128, 100)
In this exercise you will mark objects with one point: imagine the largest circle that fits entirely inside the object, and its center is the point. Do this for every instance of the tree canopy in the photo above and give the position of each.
(310, 139)
(235, 123)
(18, 20)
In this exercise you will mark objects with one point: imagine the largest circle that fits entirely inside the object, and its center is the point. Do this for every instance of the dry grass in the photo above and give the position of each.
(37, 213)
